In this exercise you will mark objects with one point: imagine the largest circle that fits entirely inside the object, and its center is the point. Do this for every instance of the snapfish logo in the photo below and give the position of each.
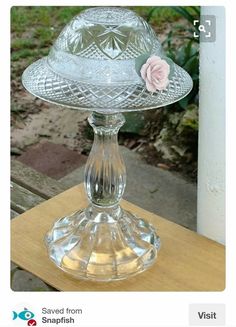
(25, 315)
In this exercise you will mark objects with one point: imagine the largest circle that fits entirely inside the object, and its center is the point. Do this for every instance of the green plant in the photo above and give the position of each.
(181, 46)
(177, 138)
(187, 56)
(189, 13)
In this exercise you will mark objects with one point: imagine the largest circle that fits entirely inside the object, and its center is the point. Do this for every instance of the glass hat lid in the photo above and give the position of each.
(107, 60)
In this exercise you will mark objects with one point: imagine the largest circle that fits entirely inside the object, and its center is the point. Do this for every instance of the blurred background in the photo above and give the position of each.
(166, 138)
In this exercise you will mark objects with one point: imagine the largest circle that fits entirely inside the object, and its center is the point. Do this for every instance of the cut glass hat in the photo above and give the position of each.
(95, 65)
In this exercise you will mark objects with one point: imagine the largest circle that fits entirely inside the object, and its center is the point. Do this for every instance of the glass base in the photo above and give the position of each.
(102, 244)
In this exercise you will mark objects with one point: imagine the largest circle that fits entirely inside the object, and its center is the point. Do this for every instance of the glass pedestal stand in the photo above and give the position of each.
(103, 242)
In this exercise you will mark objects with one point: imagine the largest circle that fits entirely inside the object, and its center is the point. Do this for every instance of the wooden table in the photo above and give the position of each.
(186, 262)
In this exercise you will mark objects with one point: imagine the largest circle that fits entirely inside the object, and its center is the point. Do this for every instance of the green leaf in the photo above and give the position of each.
(184, 102)
(140, 61)
(150, 14)
(17, 108)
(183, 12)
(195, 77)
(196, 9)
(191, 65)
(171, 64)
(135, 123)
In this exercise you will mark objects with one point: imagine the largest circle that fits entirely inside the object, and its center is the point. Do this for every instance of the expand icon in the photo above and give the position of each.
(205, 28)
(25, 315)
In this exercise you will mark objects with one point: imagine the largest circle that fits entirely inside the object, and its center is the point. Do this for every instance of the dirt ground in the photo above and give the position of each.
(52, 123)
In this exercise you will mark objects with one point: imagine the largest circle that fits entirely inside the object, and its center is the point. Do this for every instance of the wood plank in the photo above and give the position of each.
(22, 199)
(34, 181)
(187, 261)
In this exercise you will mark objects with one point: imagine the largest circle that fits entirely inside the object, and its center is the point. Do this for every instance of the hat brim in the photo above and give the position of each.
(40, 80)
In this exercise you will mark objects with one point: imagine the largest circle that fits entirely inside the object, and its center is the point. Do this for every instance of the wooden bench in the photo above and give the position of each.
(28, 189)
(187, 261)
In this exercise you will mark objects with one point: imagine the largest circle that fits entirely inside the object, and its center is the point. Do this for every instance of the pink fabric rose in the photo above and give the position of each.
(155, 73)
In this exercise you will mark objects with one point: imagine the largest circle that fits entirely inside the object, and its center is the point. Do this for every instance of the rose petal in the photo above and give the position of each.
(143, 71)
(156, 66)
(163, 66)
(161, 85)
(166, 67)
(154, 59)
(159, 75)
(149, 74)
(150, 87)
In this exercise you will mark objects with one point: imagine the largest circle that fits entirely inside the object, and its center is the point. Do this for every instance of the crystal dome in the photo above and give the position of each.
(95, 65)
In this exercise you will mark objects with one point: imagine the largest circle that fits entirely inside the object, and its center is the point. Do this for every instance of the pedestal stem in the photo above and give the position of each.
(105, 174)
(103, 241)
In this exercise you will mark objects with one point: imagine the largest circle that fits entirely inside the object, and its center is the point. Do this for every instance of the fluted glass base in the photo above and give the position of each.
(102, 244)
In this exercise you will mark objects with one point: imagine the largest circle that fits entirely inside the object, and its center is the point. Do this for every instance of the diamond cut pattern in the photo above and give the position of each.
(92, 65)
(40, 80)
(87, 35)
